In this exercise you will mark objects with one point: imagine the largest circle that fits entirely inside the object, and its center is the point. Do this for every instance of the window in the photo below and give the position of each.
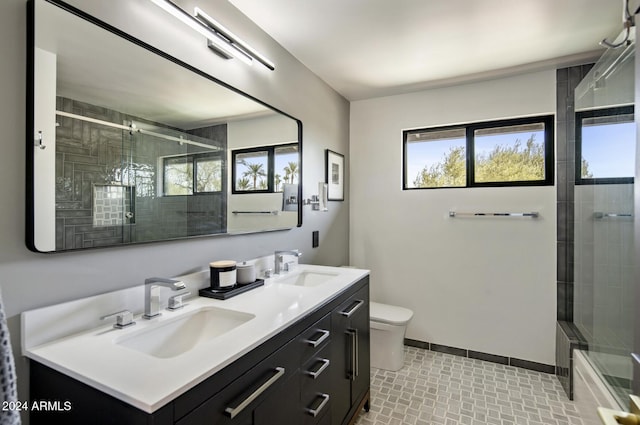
(605, 146)
(435, 158)
(265, 169)
(192, 174)
(516, 152)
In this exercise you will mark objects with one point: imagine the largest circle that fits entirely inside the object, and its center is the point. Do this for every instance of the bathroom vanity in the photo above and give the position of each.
(296, 352)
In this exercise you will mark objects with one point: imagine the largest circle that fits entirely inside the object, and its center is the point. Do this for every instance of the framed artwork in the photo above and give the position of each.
(334, 175)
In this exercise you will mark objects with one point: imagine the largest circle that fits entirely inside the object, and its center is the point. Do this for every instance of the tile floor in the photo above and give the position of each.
(434, 388)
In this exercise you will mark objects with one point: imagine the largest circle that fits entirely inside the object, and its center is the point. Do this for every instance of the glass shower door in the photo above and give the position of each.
(604, 253)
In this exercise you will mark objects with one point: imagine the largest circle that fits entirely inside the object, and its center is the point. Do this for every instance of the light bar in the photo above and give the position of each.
(222, 46)
(233, 39)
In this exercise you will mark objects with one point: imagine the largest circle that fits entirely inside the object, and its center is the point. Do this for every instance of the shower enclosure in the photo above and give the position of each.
(120, 179)
(605, 140)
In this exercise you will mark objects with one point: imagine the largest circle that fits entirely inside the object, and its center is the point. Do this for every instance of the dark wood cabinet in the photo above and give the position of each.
(315, 372)
(271, 379)
(350, 356)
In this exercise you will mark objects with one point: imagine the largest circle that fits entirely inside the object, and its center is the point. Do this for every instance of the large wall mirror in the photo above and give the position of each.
(131, 145)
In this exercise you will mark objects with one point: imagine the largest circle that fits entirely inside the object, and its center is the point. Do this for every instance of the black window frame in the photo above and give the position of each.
(470, 128)
(595, 113)
(271, 159)
(193, 158)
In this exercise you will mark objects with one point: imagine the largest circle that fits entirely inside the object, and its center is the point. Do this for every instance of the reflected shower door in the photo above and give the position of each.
(179, 184)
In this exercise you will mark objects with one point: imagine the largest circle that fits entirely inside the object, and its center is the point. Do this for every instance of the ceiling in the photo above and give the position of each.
(372, 48)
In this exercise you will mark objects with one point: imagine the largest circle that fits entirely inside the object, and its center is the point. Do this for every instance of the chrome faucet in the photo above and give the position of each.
(152, 294)
(279, 256)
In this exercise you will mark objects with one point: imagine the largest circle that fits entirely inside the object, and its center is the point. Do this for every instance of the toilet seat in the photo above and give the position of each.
(390, 314)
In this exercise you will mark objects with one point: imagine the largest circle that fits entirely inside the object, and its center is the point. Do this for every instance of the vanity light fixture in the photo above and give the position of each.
(232, 39)
(219, 39)
(223, 47)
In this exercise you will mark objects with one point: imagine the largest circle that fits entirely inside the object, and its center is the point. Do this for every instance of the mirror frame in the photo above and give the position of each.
(31, 140)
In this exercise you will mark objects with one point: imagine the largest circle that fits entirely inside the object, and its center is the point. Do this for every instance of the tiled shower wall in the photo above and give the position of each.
(604, 265)
(567, 337)
(89, 154)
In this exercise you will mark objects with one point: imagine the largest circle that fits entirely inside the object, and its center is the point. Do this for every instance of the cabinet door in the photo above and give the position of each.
(340, 384)
(282, 406)
(350, 353)
(236, 404)
(359, 326)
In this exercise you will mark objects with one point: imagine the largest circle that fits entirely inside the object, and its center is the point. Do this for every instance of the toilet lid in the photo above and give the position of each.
(390, 314)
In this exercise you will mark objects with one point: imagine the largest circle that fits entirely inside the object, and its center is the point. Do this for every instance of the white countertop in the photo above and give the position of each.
(146, 382)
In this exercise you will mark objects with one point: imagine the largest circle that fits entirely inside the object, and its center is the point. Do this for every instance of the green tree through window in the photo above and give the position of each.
(512, 162)
(501, 153)
(450, 172)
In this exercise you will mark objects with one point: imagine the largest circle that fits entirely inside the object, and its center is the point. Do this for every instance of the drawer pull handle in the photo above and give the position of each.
(325, 364)
(315, 412)
(357, 355)
(232, 412)
(354, 366)
(358, 304)
(321, 338)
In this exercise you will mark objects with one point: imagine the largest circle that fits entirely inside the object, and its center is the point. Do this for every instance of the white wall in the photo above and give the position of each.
(29, 280)
(481, 284)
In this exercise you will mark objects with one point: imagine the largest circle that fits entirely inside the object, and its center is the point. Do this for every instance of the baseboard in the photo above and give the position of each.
(478, 355)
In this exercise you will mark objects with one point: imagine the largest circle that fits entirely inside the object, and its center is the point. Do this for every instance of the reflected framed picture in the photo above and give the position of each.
(334, 175)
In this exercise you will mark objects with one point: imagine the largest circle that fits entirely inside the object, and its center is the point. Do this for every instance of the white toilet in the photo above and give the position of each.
(388, 326)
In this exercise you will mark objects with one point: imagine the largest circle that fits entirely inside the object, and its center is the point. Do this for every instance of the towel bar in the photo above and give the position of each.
(453, 214)
(601, 215)
(274, 212)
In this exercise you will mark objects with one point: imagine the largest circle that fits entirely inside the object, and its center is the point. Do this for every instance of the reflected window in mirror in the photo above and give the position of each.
(192, 174)
(251, 171)
(605, 146)
(265, 169)
(285, 166)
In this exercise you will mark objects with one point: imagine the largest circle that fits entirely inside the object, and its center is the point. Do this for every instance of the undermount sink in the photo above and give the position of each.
(307, 278)
(172, 338)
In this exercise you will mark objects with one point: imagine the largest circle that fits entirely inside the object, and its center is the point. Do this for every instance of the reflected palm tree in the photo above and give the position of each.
(277, 179)
(291, 171)
(243, 184)
(253, 172)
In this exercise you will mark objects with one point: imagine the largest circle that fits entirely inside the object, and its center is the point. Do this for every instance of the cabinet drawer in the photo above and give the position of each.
(235, 403)
(315, 337)
(317, 370)
(315, 377)
(316, 408)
